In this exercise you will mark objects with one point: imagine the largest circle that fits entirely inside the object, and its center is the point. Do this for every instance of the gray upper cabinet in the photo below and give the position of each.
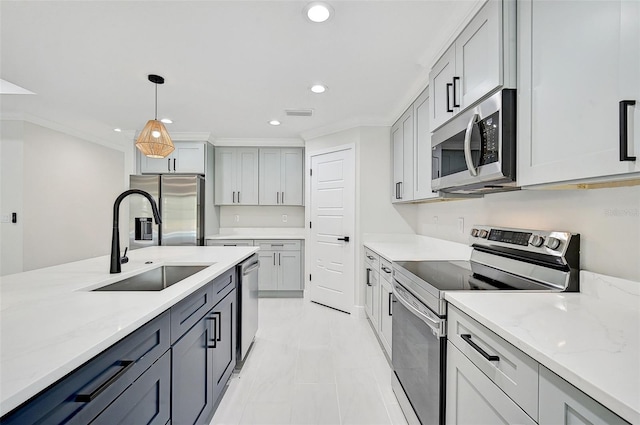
(236, 173)
(481, 59)
(281, 176)
(572, 82)
(422, 157)
(402, 139)
(187, 158)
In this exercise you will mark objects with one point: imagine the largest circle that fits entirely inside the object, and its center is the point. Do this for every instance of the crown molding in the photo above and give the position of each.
(273, 142)
(343, 126)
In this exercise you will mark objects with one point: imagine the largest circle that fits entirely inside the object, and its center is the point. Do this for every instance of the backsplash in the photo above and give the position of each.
(608, 221)
(261, 216)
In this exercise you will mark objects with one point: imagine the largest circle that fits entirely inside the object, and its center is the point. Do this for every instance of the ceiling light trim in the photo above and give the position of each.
(318, 12)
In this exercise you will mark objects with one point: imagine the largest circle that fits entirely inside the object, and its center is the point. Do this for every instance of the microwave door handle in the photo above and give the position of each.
(467, 145)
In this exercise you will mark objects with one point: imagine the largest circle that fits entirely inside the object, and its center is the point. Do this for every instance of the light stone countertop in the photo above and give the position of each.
(249, 233)
(51, 322)
(416, 247)
(591, 339)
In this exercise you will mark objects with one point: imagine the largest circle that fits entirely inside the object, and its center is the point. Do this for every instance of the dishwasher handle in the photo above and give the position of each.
(432, 320)
(250, 269)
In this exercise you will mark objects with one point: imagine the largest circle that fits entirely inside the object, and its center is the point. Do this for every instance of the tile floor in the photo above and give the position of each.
(311, 365)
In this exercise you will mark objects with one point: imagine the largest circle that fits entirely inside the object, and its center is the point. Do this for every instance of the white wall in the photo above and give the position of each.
(11, 196)
(69, 186)
(608, 221)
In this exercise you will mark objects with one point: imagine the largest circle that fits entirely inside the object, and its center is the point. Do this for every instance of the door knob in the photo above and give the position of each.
(346, 239)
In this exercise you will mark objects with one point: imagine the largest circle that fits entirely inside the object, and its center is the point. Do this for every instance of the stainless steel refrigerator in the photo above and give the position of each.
(181, 202)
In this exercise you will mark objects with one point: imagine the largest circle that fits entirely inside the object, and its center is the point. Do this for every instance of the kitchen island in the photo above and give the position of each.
(52, 322)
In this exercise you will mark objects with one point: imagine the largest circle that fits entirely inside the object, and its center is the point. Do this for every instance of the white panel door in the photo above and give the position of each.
(332, 200)
(270, 171)
(291, 177)
(441, 88)
(247, 176)
(422, 152)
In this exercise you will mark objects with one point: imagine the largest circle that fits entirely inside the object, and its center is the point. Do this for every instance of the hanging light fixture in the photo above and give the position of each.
(154, 140)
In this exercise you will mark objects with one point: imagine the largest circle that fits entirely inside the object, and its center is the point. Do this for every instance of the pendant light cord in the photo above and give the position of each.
(156, 116)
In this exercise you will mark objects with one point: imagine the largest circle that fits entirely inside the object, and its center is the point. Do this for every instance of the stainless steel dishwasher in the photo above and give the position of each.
(247, 306)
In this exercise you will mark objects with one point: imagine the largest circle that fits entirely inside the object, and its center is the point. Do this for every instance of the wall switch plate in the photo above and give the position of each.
(4, 218)
(461, 225)
(284, 218)
(236, 218)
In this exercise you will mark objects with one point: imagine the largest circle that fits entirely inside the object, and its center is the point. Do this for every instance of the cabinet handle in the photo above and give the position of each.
(400, 184)
(238, 196)
(449, 85)
(371, 257)
(368, 277)
(624, 130)
(212, 341)
(475, 346)
(346, 239)
(279, 258)
(282, 197)
(218, 335)
(169, 164)
(86, 398)
(234, 198)
(455, 80)
(174, 164)
(274, 258)
(385, 269)
(390, 301)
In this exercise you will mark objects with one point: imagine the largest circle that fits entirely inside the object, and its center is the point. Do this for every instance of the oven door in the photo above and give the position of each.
(476, 150)
(419, 347)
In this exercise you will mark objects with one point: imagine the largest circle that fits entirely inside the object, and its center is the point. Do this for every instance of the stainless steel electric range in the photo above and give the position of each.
(501, 259)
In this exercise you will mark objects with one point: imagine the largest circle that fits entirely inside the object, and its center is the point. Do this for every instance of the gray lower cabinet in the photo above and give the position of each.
(224, 345)
(280, 267)
(562, 403)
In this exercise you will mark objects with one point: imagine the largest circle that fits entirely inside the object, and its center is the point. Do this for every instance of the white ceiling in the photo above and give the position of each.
(230, 66)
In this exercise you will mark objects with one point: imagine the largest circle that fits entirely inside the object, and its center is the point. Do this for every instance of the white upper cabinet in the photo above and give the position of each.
(422, 149)
(281, 176)
(578, 61)
(402, 136)
(481, 60)
(236, 176)
(187, 158)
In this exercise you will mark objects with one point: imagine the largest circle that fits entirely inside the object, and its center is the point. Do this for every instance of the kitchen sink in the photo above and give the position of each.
(154, 280)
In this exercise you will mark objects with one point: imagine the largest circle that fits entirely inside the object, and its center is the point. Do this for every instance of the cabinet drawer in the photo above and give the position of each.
(511, 370)
(83, 394)
(385, 269)
(229, 242)
(279, 245)
(187, 312)
(224, 284)
(372, 259)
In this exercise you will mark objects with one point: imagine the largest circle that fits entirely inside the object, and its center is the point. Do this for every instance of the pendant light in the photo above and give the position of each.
(154, 140)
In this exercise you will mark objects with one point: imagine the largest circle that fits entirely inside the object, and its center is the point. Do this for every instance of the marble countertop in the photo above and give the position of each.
(591, 339)
(51, 322)
(249, 233)
(416, 247)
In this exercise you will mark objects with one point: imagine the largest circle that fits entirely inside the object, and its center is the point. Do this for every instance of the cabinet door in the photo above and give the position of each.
(441, 88)
(292, 177)
(225, 181)
(290, 270)
(386, 312)
(562, 403)
(479, 56)
(572, 80)
(422, 149)
(192, 386)
(374, 278)
(268, 271)
(270, 171)
(247, 176)
(224, 357)
(472, 399)
(155, 165)
(189, 157)
(397, 161)
(368, 295)
(146, 401)
(408, 155)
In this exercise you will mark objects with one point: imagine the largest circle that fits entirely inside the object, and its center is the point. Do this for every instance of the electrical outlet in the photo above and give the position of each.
(284, 218)
(461, 225)
(237, 218)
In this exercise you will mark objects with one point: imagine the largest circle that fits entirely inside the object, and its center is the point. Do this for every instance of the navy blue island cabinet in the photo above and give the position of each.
(173, 369)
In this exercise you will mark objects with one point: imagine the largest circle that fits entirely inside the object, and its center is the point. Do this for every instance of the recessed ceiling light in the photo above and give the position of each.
(118, 130)
(318, 88)
(274, 122)
(318, 11)
(166, 121)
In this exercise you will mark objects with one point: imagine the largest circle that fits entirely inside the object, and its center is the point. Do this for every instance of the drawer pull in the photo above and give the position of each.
(475, 346)
(370, 257)
(369, 277)
(211, 343)
(386, 269)
(86, 398)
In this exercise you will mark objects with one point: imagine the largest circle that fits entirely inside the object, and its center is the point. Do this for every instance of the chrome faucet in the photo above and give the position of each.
(115, 234)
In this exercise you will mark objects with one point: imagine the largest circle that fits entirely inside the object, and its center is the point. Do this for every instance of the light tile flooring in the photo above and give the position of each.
(311, 365)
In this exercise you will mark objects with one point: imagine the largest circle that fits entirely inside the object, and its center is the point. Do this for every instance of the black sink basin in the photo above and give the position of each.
(154, 280)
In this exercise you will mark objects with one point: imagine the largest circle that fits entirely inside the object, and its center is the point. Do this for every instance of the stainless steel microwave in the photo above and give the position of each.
(476, 151)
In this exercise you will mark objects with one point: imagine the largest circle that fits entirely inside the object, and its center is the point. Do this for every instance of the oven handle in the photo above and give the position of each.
(467, 145)
(434, 324)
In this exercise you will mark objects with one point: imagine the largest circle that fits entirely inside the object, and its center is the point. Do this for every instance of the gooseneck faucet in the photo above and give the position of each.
(115, 234)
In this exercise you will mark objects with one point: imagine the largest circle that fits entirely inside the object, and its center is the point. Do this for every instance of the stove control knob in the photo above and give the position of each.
(536, 240)
(475, 232)
(484, 234)
(553, 243)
